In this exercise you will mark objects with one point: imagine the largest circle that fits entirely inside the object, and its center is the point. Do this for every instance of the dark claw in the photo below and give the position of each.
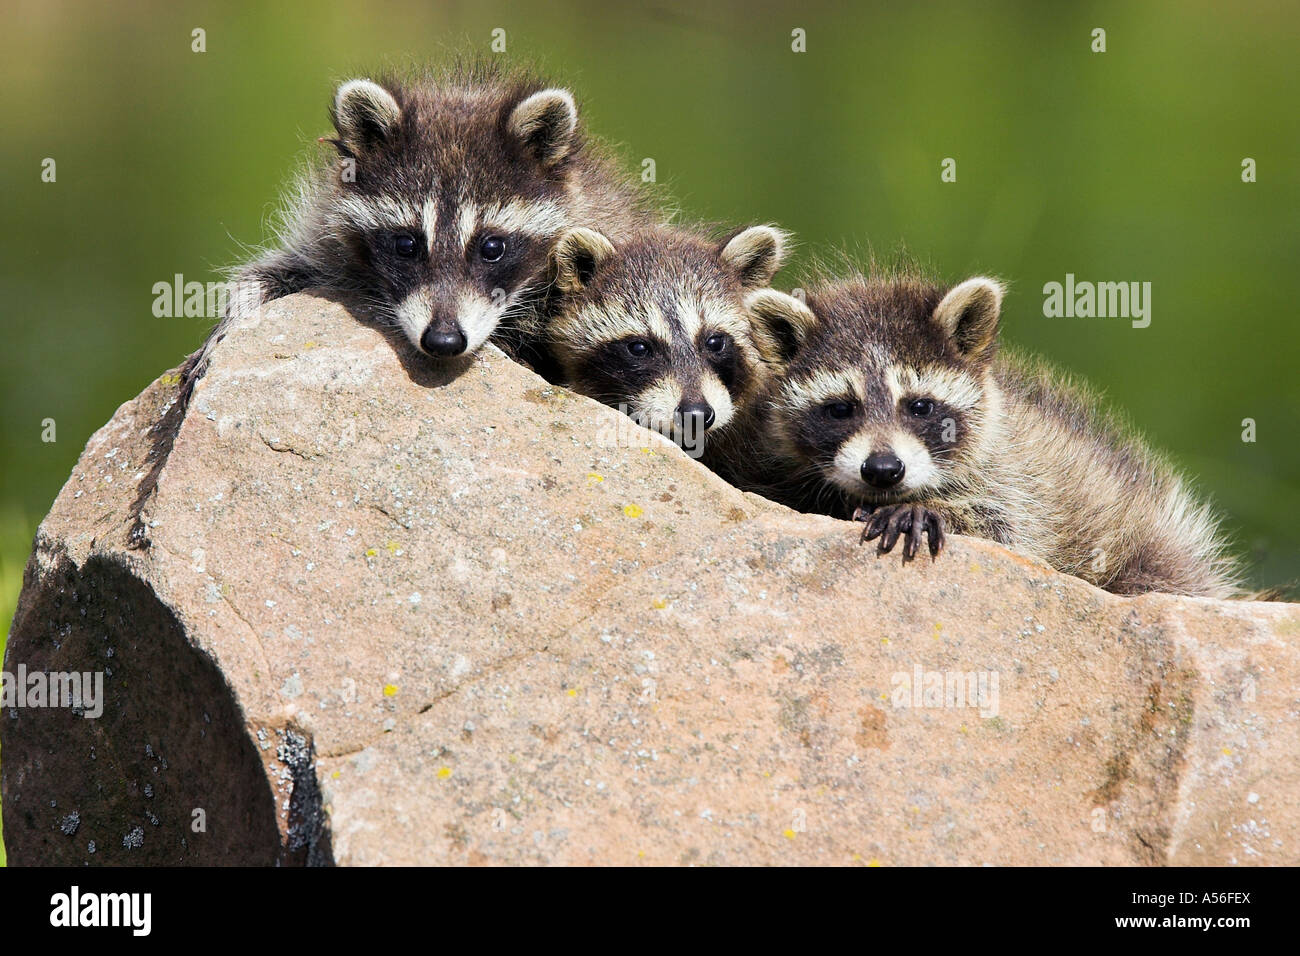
(875, 524)
(915, 528)
(909, 521)
(899, 521)
(934, 526)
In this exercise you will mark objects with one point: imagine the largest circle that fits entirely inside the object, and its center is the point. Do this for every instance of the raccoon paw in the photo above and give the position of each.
(889, 522)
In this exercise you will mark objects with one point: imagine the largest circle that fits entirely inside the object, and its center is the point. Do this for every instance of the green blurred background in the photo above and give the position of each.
(1123, 165)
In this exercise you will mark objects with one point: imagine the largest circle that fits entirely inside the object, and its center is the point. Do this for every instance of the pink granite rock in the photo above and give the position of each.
(392, 615)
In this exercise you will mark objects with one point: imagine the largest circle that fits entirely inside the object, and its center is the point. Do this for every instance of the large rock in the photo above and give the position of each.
(388, 615)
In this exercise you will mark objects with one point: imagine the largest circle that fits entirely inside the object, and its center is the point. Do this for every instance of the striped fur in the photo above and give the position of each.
(1012, 449)
(676, 297)
(447, 159)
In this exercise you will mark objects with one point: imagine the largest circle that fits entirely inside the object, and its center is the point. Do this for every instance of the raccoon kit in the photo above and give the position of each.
(656, 324)
(441, 207)
(897, 408)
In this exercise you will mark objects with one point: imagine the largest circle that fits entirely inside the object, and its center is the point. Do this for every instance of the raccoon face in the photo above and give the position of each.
(659, 327)
(887, 399)
(450, 201)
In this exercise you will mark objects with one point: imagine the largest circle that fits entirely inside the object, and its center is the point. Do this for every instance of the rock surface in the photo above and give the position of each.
(391, 615)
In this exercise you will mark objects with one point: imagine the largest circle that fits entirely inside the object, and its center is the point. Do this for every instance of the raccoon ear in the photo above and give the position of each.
(781, 324)
(545, 124)
(969, 315)
(576, 257)
(365, 114)
(754, 254)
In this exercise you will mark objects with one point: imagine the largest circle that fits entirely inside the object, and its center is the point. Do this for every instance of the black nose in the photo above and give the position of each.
(443, 341)
(882, 470)
(696, 415)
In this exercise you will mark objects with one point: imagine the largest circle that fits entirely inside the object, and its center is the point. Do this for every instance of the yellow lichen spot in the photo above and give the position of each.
(962, 729)
(648, 451)
(658, 604)
(788, 834)
(337, 774)
(371, 552)
(573, 692)
(633, 511)
(873, 862)
(855, 857)
(640, 854)
(390, 690)
(975, 567)
(393, 547)
(310, 344)
(444, 773)
(594, 478)
(171, 378)
(937, 628)
(885, 640)
(1227, 751)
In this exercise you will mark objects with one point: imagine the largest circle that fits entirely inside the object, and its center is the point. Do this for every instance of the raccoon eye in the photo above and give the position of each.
(639, 347)
(716, 342)
(404, 246)
(838, 410)
(492, 249)
(921, 407)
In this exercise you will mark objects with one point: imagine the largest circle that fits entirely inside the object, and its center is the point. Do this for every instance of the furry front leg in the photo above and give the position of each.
(909, 521)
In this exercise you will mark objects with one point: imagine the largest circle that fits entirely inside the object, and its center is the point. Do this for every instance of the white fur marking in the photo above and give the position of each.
(948, 385)
(757, 253)
(378, 99)
(657, 404)
(821, 387)
(688, 311)
(542, 218)
(413, 314)
(529, 114)
(919, 468)
(478, 317)
(716, 394)
(375, 212)
(430, 219)
(846, 470)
